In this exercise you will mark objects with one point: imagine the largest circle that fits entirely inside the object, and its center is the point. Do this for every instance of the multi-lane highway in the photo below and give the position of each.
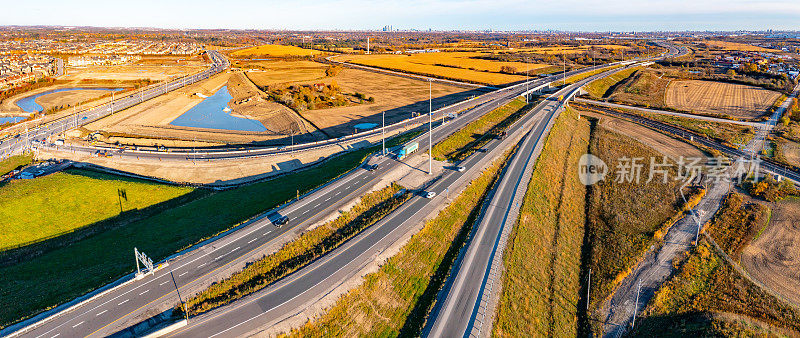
(123, 306)
(461, 307)
(111, 311)
(31, 136)
(459, 303)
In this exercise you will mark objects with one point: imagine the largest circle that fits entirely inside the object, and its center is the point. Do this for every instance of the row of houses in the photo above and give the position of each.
(19, 69)
(124, 47)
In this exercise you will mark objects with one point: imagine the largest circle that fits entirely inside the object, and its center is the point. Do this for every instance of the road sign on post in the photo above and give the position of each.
(146, 261)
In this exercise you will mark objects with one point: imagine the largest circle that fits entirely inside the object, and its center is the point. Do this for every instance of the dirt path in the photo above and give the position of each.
(617, 312)
(774, 257)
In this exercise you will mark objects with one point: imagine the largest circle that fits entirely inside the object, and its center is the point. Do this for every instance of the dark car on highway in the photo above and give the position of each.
(277, 219)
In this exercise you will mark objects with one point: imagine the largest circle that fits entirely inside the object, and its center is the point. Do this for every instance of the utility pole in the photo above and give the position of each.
(564, 57)
(430, 126)
(383, 133)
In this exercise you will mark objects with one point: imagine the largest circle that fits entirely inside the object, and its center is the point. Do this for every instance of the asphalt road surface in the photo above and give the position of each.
(99, 316)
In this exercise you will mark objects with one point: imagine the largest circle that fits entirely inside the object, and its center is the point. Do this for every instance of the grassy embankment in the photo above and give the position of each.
(395, 300)
(543, 258)
(55, 277)
(53, 205)
(15, 162)
(709, 297)
(465, 141)
(601, 88)
(625, 218)
(728, 133)
(298, 253)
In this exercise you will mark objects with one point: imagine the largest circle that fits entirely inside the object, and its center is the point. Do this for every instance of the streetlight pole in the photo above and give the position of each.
(383, 133)
(430, 126)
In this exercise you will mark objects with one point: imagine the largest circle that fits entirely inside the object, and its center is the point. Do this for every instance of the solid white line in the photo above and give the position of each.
(145, 291)
(104, 311)
(76, 325)
(123, 302)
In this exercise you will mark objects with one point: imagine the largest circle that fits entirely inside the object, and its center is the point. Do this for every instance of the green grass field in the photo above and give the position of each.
(599, 88)
(63, 202)
(395, 300)
(14, 162)
(464, 142)
(63, 274)
(543, 258)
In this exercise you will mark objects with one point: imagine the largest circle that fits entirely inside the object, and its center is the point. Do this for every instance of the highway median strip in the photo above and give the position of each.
(474, 135)
(302, 251)
(396, 299)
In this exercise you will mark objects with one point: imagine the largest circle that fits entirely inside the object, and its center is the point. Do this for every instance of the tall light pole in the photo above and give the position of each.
(430, 126)
(526, 78)
(383, 133)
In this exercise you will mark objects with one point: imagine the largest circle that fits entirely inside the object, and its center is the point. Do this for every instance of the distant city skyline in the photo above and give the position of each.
(567, 15)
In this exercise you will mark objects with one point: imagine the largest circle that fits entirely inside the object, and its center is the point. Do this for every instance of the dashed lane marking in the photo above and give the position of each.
(163, 283)
(146, 291)
(104, 311)
(252, 240)
(76, 325)
(181, 275)
(123, 302)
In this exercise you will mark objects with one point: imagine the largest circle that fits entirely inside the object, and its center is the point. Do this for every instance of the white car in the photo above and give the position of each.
(428, 194)
(460, 169)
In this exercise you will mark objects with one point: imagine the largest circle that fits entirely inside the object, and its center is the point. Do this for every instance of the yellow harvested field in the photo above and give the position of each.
(737, 46)
(461, 66)
(734, 100)
(562, 49)
(275, 72)
(275, 51)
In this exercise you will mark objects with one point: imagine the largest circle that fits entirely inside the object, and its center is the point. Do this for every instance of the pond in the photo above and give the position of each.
(29, 104)
(213, 113)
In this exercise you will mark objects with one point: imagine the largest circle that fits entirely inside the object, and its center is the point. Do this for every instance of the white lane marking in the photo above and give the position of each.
(266, 233)
(327, 199)
(219, 257)
(252, 240)
(104, 311)
(236, 248)
(181, 275)
(145, 291)
(316, 206)
(163, 283)
(76, 325)
(56, 335)
(201, 265)
(123, 302)
(304, 212)
(337, 193)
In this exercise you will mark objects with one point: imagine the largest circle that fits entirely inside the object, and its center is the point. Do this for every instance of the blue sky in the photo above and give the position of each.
(575, 15)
